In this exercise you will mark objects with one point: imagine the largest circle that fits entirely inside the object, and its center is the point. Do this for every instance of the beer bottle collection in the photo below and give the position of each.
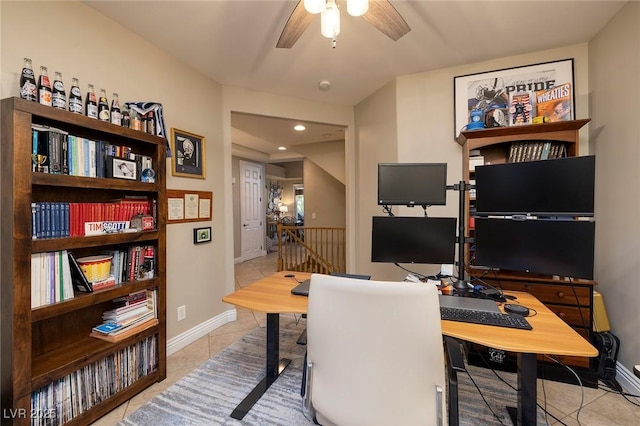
(44, 92)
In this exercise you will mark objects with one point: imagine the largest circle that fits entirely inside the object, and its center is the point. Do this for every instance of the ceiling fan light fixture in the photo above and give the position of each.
(314, 6)
(357, 7)
(330, 20)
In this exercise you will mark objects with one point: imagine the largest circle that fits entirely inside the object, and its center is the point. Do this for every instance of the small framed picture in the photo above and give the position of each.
(201, 235)
(121, 168)
(188, 154)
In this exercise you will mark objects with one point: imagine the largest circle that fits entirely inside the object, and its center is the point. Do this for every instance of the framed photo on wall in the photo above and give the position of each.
(188, 154)
(202, 235)
(492, 98)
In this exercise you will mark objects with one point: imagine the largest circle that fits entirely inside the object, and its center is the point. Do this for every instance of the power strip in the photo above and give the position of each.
(412, 278)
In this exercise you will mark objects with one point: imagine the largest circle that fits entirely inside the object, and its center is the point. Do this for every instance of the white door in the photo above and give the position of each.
(252, 212)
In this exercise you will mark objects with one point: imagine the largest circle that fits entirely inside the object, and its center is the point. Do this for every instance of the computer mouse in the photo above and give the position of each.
(516, 309)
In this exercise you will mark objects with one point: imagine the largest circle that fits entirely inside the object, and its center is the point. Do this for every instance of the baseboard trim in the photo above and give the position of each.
(628, 380)
(184, 339)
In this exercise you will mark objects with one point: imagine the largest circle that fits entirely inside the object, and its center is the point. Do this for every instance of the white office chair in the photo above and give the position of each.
(375, 353)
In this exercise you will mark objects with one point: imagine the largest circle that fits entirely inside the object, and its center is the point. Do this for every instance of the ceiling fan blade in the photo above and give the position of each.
(295, 26)
(386, 19)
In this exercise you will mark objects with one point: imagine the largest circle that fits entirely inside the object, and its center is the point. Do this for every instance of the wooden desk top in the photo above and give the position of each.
(272, 294)
(550, 335)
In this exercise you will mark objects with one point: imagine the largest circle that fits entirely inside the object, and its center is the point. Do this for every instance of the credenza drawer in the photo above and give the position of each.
(571, 314)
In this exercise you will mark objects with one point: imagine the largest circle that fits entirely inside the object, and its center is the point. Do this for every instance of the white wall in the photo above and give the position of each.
(614, 96)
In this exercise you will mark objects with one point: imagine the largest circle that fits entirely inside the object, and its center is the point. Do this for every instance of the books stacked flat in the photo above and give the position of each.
(131, 314)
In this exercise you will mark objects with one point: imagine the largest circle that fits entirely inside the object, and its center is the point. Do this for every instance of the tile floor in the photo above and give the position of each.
(600, 408)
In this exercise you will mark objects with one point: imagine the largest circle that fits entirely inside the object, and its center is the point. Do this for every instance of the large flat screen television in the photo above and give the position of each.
(557, 187)
(549, 247)
(412, 184)
(404, 239)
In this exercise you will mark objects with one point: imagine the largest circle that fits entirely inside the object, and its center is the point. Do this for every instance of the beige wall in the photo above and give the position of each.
(411, 117)
(244, 100)
(614, 96)
(377, 143)
(324, 198)
(411, 120)
(98, 51)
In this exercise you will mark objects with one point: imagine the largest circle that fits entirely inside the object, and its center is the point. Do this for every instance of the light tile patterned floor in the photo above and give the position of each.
(600, 408)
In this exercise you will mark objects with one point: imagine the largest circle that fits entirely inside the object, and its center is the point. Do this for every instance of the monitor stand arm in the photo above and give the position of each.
(461, 285)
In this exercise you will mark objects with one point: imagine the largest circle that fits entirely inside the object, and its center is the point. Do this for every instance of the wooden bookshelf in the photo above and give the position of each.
(46, 344)
(571, 301)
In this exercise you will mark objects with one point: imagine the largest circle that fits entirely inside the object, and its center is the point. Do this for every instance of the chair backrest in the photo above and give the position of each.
(376, 352)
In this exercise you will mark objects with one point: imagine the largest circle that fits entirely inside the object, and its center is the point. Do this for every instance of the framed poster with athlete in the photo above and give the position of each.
(485, 99)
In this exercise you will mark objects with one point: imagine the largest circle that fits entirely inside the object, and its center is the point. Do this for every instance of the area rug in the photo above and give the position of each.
(208, 395)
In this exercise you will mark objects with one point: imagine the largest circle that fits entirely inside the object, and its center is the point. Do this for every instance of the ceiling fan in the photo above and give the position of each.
(381, 14)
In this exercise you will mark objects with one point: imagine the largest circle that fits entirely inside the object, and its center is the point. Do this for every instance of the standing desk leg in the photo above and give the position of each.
(274, 368)
(527, 411)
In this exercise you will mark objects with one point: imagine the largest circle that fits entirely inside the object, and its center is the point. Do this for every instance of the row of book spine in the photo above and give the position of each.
(51, 280)
(68, 397)
(55, 275)
(52, 219)
(536, 150)
(133, 263)
(58, 152)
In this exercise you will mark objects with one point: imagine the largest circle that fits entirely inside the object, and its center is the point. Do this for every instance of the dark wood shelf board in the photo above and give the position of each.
(61, 116)
(56, 364)
(533, 129)
(53, 244)
(66, 181)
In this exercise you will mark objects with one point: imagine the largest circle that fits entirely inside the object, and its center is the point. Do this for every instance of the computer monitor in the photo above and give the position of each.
(412, 184)
(553, 247)
(419, 239)
(557, 187)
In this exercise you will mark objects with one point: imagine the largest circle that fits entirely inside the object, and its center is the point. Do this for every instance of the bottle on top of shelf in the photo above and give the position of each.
(91, 106)
(59, 96)
(136, 120)
(115, 115)
(126, 117)
(103, 106)
(28, 88)
(75, 97)
(44, 87)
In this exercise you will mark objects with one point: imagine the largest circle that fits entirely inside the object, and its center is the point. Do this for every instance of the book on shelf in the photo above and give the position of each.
(57, 152)
(131, 314)
(51, 280)
(124, 333)
(104, 284)
(555, 104)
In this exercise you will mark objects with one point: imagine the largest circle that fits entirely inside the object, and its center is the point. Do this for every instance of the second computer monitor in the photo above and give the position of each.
(419, 239)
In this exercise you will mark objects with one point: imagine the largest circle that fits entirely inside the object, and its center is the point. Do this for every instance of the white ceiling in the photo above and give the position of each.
(233, 42)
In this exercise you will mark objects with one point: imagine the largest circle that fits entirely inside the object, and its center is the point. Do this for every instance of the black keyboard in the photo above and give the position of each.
(485, 318)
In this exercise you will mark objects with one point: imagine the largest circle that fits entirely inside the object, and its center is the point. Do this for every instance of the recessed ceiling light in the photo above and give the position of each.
(324, 85)
(299, 127)
(282, 148)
